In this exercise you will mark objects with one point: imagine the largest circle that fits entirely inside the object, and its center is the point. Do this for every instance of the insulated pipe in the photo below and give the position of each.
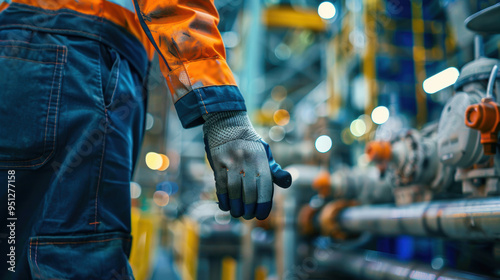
(371, 265)
(473, 219)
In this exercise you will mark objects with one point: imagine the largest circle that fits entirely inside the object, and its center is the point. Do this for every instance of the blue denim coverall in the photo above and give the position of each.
(72, 107)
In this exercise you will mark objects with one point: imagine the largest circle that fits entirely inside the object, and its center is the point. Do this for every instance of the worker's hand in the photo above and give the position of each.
(243, 165)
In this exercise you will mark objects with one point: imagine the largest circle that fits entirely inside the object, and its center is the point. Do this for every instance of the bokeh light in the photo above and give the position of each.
(437, 263)
(281, 117)
(150, 121)
(222, 218)
(135, 190)
(380, 115)
(368, 121)
(165, 163)
(323, 143)
(277, 133)
(157, 161)
(278, 93)
(326, 10)
(358, 127)
(161, 198)
(347, 136)
(154, 160)
(282, 52)
(441, 80)
(169, 187)
(231, 39)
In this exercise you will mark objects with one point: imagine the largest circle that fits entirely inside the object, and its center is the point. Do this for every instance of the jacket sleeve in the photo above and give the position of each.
(192, 56)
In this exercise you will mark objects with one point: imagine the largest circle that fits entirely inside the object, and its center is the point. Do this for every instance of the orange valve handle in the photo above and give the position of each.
(322, 184)
(485, 117)
(379, 151)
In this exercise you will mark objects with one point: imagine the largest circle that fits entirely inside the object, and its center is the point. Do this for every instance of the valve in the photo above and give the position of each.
(322, 184)
(328, 218)
(485, 117)
(306, 220)
(379, 151)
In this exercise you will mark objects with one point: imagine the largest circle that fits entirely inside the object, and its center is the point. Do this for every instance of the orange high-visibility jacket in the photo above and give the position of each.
(185, 34)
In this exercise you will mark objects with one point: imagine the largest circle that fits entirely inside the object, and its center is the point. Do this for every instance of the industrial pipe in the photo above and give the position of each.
(371, 265)
(476, 219)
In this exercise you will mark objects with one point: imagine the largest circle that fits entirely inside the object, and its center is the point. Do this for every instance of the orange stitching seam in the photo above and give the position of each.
(36, 261)
(31, 261)
(100, 168)
(203, 102)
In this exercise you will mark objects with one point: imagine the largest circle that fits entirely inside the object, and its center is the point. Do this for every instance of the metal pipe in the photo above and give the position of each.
(477, 219)
(372, 265)
(299, 193)
(491, 82)
(478, 46)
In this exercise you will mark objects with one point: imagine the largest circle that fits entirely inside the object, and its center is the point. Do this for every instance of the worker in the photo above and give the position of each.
(73, 87)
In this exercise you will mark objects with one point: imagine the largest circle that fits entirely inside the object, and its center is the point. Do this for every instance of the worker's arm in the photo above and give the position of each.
(185, 34)
(192, 56)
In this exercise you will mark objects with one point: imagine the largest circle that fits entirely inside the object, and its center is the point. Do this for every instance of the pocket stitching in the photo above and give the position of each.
(36, 261)
(35, 241)
(84, 242)
(114, 77)
(48, 110)
(56, 69)
(23, 59)
(116, 85)
(39, 274)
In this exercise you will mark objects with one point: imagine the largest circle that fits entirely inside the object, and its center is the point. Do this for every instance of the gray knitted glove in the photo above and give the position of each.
(243, 165)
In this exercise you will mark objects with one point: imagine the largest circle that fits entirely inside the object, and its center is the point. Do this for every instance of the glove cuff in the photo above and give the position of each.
(223, 127)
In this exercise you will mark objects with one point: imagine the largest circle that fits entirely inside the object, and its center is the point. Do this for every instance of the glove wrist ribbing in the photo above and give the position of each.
(223, 127)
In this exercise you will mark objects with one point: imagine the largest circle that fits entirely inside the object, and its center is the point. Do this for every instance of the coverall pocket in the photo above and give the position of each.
(93, 256)
(30, 87)
(110, 72)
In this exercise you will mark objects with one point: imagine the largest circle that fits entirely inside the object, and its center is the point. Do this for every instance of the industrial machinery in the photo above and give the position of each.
(421, 202)
(366, 185)
(410, 161)
(471, 145)
(374, 265)
(443, 178)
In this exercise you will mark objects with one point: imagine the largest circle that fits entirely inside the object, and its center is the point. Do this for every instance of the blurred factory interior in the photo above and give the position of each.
(385, 114)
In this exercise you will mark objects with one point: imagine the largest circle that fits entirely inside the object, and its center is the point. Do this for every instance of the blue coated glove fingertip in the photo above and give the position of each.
(223, 201)
(236, 207)
(262, 210)
(249, 211)
(282, 178)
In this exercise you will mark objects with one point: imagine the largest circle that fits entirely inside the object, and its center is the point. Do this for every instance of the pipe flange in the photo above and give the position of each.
(305, 220)
(328, 218)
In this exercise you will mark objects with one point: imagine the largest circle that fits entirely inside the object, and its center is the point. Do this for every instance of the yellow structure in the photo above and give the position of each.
(144, 239)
